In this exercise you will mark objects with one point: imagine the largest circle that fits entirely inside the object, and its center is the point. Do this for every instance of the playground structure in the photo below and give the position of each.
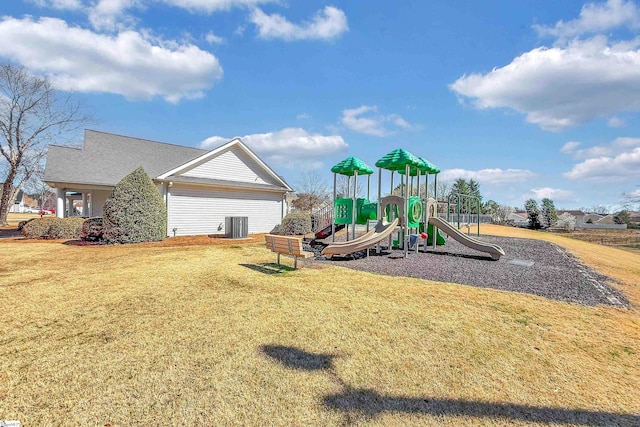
(403, 220)
(463, 206)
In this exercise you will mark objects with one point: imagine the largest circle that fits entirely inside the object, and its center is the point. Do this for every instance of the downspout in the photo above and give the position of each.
(167, 194)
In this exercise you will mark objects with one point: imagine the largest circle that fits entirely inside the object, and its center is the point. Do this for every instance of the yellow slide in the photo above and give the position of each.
(366, 241)
(494, 250)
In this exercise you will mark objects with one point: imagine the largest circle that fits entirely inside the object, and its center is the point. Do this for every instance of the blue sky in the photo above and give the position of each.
(531, 98)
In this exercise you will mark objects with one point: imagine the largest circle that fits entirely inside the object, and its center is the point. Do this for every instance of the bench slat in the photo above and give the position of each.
(287, 245)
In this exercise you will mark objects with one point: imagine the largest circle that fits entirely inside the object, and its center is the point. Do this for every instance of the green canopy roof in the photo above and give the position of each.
(398, 159)
(351, 165)
(425, 168)
(429, 167)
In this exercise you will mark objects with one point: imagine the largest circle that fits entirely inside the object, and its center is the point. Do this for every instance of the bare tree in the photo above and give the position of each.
(633, 197)
(32, 114)
(444, 188)
(307, 202)
(311, 182)
(38, 189)
(597, 209)
(500, 214)
(344, 186)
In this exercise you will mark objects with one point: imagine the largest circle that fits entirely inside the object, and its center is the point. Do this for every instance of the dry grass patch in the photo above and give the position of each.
(217, 335)
(13, 219)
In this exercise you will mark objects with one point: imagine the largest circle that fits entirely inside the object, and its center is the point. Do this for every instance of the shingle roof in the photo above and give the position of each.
(571, 212)
(107, 158)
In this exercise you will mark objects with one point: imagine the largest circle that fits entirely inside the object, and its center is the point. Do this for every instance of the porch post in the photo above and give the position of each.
(85, 205)
(60, 194)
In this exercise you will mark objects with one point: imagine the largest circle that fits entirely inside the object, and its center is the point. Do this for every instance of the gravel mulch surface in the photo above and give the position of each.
(529, 266)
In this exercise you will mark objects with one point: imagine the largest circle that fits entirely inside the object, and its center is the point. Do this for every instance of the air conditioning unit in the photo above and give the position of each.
(236, 227)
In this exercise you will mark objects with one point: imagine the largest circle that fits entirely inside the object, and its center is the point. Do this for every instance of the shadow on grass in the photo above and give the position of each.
(8, 233)
(268, 268)
(83, 243)
(292, 357)
(368, 404)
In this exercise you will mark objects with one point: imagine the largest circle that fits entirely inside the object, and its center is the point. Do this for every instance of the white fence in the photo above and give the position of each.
(602, 226)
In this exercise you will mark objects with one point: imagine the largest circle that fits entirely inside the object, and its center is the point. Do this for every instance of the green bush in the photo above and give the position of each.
(296, 223)
(65, 228)
(38, 228)
(93, 229)
(135, 211)
(53, 228)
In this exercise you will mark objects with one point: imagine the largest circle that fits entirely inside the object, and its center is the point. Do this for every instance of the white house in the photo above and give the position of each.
(18, 205)
(200, 188)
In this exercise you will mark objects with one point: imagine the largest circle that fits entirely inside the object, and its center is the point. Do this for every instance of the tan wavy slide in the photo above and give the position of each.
(494, 250)
(363, 242)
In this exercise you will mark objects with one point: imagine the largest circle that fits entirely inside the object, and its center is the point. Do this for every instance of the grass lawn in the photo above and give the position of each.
(186, 332)
(14, 218)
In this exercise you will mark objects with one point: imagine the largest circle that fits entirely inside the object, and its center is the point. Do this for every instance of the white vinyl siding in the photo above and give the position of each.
(231, 165)
(199, 210)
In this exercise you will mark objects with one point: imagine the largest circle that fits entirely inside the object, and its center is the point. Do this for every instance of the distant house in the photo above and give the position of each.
(519, 219)
(200, 188)
(608, 220)
(18, 205)
(592, 218)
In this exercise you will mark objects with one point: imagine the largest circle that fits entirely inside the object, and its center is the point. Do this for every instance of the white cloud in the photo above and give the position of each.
(555, 194)
(616, 122)
(213, 39)
(614, 162)
(127, 64)
(570, 147)
(616, 147)
(489, 176)
(303, 116)
(111, 15)
(327, 24)
(561, 86)
(210, 6)
(59, 4)
(288, 146)
(372, 124)
(614, 168)
(596, 18)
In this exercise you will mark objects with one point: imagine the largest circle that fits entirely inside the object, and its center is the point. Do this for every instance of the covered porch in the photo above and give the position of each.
(80, 200)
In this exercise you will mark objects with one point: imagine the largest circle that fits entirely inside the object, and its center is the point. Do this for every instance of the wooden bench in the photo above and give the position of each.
(287, 245)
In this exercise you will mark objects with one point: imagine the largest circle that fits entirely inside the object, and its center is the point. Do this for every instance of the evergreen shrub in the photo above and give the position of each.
(296, 223)
(93, 229)
(66, 228)
(135, 211)
(53, 228)
(37, 228)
